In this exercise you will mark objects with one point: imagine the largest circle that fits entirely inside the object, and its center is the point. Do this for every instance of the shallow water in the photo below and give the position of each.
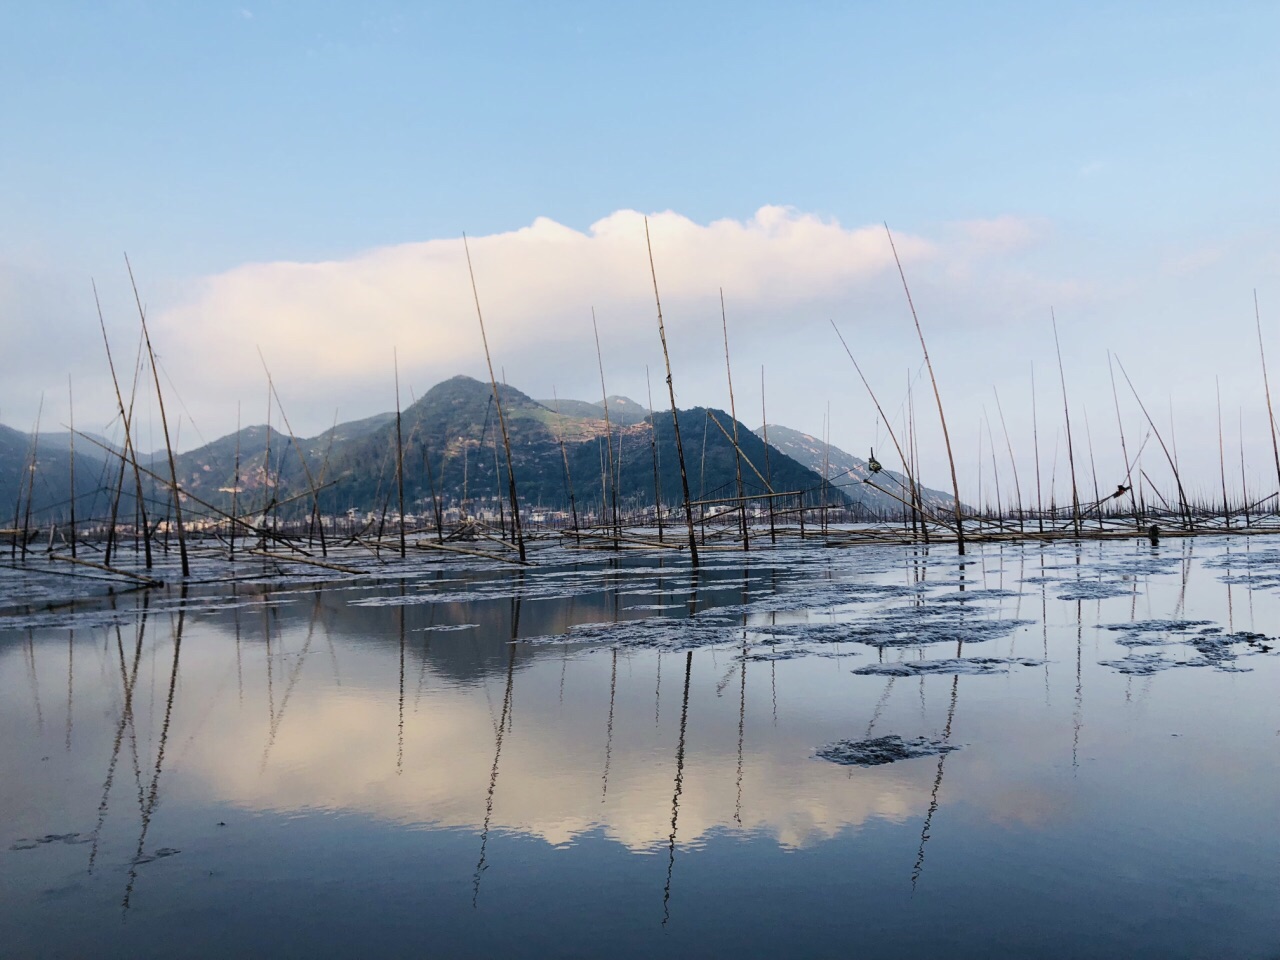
(1075, 755)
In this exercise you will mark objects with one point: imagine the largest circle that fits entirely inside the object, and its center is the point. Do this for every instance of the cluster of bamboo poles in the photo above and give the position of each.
(163, 510)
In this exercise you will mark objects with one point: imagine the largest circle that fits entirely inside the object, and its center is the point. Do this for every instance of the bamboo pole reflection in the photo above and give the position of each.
(278, 716)
(679, 786)
(927, 830)
(742, 722)
(400, 701)
(608, 740)
(128, 680)
(657, 690)
(29, 651)
(482, 863)
(153, 794)
(71, 670)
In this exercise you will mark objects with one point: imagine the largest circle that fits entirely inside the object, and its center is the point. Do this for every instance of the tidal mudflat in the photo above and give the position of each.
(1062, 750)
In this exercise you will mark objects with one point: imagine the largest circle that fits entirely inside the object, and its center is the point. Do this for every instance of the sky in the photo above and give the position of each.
(292, 182)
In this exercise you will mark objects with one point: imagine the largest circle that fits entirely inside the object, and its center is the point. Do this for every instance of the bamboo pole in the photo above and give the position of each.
(400, 451)
(293, 441)
(130, 453)
(902, 456)
(1128, 479)
(1182, 497)
(733, 412)
(1271, 416)
(671, 390)
(653, 449)
(564, 456)
(608, 429)
(71, 416)
(502, 422)
(1017, 487)
(164, 422)
(1222, 461)
(1035, 438)
(33, 460)
(764, 418)
(1066, 413)
(955, 483)
(235, 486)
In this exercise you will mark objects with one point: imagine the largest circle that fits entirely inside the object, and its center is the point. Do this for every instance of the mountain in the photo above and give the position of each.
(50, 483)
(622, 410)
(451, 443)
(850, 472)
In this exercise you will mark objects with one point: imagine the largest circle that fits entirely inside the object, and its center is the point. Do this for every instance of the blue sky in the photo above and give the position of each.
(1135, 143)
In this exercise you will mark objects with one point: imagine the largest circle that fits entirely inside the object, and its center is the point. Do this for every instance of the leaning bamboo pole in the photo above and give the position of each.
(942, 417)
(1128, 479)
(1182, 497)
(902, 455)
(502, 422)
(671, 390)
(130, 454)
(1017, 486)
(1271, 416)
(293, 442)
(164, 423)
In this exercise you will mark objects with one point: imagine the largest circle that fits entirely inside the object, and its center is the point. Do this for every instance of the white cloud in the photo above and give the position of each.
(328, 329)
(982, 287)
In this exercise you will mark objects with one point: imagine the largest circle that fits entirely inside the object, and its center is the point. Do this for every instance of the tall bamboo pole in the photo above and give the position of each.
(502, 421)
(129, 454)
(768, 475)
(71, 417)
(733, 412)
(395, 359)
(946, 439)
(608, 433)
(1066, 413)
(671, 390)
(1035, 439)
(164, 423)
(1271, 416)
(653, 449)
(1222, 457)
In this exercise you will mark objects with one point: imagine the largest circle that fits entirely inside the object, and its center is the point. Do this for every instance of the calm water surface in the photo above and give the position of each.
(617, 757)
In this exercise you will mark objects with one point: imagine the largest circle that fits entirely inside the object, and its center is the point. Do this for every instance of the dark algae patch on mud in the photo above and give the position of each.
(882, 750)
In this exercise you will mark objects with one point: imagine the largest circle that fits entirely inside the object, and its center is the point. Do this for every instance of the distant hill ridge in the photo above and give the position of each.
(849, 471)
